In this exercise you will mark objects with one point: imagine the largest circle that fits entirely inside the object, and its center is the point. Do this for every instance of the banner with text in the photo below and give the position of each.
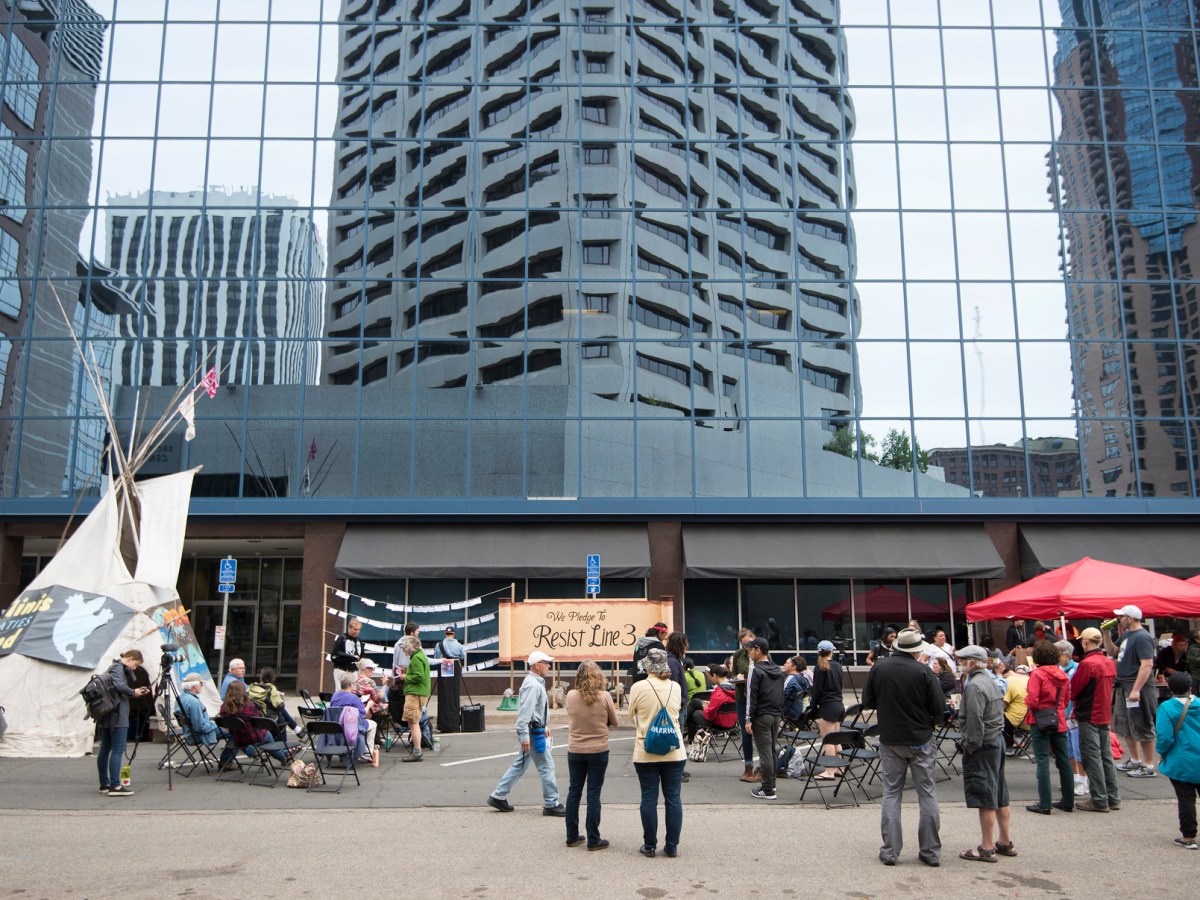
(575, 630)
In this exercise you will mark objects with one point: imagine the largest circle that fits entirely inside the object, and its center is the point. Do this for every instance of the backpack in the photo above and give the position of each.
(701, 744)
(99, 697)
(661, 736)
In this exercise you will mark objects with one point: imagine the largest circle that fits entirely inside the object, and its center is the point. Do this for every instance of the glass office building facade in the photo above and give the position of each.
(670, 265)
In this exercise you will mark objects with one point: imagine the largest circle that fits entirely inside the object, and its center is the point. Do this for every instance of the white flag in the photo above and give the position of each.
(187, 409)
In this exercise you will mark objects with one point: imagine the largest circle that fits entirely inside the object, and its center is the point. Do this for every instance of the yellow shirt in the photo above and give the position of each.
(646, 697)
(1014, 698)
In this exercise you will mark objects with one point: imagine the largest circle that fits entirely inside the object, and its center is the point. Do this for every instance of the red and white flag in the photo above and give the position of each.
(210, 382)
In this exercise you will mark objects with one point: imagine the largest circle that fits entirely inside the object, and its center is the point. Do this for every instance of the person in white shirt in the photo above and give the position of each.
(939, 649)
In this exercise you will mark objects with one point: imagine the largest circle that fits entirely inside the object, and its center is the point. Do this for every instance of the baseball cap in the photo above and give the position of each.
(1132, 611)
(1091, 634)
(1179, 683)
(761, 644)
(537, 656)
(366, 663)
(823, 647)
(449, 629)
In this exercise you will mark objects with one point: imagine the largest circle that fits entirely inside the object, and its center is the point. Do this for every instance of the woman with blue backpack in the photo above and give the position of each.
(658, 754)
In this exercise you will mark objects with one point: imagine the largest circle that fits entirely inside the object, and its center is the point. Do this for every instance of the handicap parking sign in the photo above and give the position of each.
(228, 571)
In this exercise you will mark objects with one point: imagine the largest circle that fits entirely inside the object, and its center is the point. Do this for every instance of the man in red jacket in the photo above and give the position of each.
(1091, 689)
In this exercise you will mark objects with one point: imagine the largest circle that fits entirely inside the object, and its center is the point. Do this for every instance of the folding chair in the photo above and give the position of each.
(869, 753)
(176, 744)
(203, 752)
(228, 749)
(853, 719)
(798, 733)
(828, 759)
(325, 696)
(1022, 744)
(727, 734)
(327, 739)
(262, 760)
(945, 758)
(308, 701)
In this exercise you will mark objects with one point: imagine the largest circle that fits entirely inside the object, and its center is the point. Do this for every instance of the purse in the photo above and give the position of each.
(701, 743)
(1047, 719)
(661, 736)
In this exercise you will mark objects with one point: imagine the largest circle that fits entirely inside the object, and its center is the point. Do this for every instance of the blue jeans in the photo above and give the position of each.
(111, 755)
(589, 768)
(545, 767)
(1044, 746)
(670, 776)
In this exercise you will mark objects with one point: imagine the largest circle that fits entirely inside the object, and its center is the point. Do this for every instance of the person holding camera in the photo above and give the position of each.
(114, 728)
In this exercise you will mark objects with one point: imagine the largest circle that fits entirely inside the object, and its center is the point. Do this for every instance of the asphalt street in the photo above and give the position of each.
(204, 839)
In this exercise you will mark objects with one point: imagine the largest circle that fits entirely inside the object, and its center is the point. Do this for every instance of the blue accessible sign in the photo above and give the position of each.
(228, 572)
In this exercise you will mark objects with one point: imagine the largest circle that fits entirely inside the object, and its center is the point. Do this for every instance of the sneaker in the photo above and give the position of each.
(414, 756)
(575, 842)
(105, 788)
(1143, 772)
(1081, 789)
(1186, 843)
(120, 791)
(1088, 806)
(761, 794)
(502, 805)
(558, 810)
(599, 845)
(1129, 765)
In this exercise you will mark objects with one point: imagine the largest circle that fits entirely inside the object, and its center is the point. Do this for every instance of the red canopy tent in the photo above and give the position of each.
(1090, 589)
(887, 603)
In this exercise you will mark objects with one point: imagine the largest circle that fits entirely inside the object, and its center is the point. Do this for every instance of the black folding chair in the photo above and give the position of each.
(228, 750)
(325, 696)
(201, 751)
(308, 701)
(261, 754)
(176, 744)
(828, 759)
(944, 757)
(327, 740)
(725, 735)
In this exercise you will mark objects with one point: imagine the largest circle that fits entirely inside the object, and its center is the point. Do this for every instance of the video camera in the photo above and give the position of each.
(170, 655)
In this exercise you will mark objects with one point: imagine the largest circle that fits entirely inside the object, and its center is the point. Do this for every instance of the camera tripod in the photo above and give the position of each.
(167, 690)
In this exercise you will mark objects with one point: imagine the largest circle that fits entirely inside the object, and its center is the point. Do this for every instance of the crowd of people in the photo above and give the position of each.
(1076, 703)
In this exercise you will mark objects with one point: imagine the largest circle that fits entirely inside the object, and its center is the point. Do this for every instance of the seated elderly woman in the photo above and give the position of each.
(245, 736)
(372, 695)
(347, 697)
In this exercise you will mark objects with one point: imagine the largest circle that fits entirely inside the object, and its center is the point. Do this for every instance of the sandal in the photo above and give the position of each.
(1005, 849)
(978, 855)
(825, 776)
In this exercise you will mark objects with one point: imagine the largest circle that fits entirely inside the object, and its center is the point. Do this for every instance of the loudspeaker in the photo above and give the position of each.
(472, 717)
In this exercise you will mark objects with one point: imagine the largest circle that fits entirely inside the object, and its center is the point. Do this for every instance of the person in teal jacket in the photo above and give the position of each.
(1179, 752)
(416, 693)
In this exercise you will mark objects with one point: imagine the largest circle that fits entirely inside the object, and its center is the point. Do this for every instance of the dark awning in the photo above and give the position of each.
(1166, 549)
(839, 551)
(492, 551)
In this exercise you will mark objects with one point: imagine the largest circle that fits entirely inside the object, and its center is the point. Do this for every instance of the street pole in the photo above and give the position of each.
(224, 632)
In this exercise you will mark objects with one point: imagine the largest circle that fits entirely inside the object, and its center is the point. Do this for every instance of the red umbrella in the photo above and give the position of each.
(1090, 589)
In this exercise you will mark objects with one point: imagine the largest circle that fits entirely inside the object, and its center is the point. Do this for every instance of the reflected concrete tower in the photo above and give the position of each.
(236, 273)
(1130, 178)
(601, 211)
(45, 173)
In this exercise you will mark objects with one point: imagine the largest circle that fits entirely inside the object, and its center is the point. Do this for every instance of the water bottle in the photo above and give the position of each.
(437, 743)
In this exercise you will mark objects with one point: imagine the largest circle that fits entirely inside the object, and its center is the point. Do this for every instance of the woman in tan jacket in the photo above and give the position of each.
(646, 698)
(590, 713)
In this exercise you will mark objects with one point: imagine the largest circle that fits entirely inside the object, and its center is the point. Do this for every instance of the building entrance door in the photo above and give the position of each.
(240, 633)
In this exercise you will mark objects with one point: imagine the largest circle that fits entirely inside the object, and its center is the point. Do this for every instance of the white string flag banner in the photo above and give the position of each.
(483, 642)
(412, 608)
(399, 626)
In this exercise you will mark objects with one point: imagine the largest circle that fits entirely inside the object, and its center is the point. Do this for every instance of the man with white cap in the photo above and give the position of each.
(981, 719)
(1134, 709)
(533, 715)
(910, 704)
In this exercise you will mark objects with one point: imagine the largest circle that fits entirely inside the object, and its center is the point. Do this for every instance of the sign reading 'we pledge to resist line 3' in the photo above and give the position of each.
(575, 630)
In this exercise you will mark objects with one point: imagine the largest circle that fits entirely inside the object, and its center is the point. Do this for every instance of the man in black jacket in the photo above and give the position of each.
(911, 705)
(764, 706)
(1016, 636)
